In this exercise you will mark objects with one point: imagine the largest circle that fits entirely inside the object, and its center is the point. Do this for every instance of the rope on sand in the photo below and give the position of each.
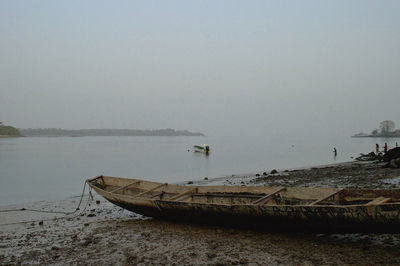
(59, 212)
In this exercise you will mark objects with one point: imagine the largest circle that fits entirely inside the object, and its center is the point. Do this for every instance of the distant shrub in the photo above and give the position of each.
(8, 131)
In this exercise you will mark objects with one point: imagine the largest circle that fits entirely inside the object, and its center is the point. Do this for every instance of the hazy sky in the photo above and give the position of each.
(219, 67)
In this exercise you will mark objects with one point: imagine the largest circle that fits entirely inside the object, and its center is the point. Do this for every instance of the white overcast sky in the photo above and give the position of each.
(219, 67)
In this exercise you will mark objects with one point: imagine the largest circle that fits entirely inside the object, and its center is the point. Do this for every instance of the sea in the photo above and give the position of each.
(53, 168)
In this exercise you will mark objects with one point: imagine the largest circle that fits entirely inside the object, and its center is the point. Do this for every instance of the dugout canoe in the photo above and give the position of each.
(319, 209)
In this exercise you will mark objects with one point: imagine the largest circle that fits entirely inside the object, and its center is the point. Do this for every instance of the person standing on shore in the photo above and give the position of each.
(385, 148)
(377, 148)
(334, 152)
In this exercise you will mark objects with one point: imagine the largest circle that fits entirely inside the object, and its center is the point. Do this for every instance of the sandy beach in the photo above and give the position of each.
(105, 234)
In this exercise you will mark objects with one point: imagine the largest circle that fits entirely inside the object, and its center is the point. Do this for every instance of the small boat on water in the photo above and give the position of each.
(326, 209)
(204, 149)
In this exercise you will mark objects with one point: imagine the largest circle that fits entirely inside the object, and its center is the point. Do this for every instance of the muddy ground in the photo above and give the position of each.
(105, 234)
(347, 175)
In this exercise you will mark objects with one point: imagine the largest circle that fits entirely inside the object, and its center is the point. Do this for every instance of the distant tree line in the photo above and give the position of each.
(58, 132)
(387, 128)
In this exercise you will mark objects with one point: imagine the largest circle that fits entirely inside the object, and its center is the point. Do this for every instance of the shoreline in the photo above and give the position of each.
(280, 171)
(374, 136)
(209, 181)
(307, 176)
(106, 234)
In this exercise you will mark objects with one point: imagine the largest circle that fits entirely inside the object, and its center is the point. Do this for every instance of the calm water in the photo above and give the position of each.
(33, 169)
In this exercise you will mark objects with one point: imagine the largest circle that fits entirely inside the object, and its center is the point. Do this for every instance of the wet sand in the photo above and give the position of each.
(105, 234)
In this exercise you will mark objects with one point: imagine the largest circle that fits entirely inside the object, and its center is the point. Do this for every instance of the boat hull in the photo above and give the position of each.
(379, 218)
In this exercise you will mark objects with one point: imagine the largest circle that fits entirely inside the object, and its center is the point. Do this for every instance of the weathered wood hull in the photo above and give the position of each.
(361, 217)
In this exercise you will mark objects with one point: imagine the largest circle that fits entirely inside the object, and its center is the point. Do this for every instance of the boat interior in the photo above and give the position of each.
(256, 195)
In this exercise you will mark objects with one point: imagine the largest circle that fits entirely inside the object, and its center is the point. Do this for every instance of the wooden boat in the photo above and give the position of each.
(326, 209)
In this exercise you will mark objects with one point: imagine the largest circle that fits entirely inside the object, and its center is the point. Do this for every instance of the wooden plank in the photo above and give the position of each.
(185, 197)
(324, 198)
(267, 197)
(195, 191)
(377, 201)
(150, 190)
(385, 200)
(183, 194)
(94, 178)
(158, 194)
(128, 185)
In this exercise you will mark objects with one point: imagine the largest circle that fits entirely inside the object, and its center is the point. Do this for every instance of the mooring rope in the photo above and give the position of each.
(58, 212)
